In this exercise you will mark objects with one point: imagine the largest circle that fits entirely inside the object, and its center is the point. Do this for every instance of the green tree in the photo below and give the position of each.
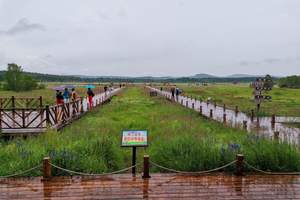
(16, 80)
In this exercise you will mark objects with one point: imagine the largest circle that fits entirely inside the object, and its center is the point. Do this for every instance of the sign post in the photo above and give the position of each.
(261, 88)
(134, 139)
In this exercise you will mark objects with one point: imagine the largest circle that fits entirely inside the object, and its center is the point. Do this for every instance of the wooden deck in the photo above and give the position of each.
(161, 186)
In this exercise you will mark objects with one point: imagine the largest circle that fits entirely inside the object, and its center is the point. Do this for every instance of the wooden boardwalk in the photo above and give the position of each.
(160, 186)
(32, 121)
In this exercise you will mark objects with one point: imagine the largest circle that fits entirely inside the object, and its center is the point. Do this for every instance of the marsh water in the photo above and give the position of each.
(261, 126)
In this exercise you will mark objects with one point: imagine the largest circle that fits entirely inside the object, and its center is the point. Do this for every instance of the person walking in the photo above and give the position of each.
(105, 89)
(173, 92)
(57, 97)
(177, 92)
(66, 95)
(90, 94)
(73, 94)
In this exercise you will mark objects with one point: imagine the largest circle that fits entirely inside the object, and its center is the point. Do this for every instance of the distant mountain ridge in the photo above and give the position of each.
(241, 76)
(83, 78)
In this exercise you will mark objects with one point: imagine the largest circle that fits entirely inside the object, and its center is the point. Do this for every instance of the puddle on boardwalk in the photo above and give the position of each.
(262, 126)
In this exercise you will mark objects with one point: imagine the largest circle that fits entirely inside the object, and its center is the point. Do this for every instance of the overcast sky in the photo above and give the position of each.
(151, 37)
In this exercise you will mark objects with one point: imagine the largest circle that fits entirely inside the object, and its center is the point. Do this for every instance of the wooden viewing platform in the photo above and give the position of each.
(161, 186)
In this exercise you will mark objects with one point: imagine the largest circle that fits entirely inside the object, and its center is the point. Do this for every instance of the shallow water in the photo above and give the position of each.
(261, 126)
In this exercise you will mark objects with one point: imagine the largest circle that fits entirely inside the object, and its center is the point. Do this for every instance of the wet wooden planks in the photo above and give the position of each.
(162, 186)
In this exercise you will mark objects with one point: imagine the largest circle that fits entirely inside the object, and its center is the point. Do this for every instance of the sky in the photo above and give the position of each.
(151, 37)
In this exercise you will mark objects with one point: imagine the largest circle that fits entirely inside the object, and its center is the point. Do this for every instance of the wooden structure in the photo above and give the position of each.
(21, 102)
(159, 186)
(27, 116)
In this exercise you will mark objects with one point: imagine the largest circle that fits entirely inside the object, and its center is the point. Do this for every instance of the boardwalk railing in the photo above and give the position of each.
(22, 118)
(21, 102)
(38, 119)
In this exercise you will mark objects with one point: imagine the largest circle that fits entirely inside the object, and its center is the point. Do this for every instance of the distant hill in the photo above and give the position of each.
(191, 79)
(202, 76)
(241, 76)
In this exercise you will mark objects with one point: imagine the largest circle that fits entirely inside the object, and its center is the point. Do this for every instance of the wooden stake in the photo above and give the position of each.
(146, 173)
(239, 164)
(46, 168)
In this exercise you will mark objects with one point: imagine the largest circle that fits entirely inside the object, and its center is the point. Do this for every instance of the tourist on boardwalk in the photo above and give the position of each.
(173, 92)
(90, 94)
(177, 92)
(59, 97)
(66, 95)
(73, 94)
(105, 89)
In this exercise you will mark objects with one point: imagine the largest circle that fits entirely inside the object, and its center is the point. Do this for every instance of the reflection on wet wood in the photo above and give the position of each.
(163, 186)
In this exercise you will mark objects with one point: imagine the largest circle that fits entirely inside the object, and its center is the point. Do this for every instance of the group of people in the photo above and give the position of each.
(65, 96)
(175, 91)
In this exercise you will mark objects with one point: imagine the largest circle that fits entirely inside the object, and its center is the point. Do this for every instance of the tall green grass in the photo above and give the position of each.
(178, 138)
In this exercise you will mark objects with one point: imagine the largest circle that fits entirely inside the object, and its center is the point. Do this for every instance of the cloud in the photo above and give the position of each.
(270, 61)
(23, 25)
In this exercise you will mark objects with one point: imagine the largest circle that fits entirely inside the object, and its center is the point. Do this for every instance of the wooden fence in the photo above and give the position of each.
(15, 118)
(21, 102)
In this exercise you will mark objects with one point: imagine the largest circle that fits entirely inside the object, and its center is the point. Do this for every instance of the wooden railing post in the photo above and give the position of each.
(200, 110)
(224, 118)
(186, 104)
(236, 110)
(252, 115)
(48, 122)
(239, 164)
(211, 113)
(23, 118)
(46, 168)
(276, 135)
(273, 121)
(224, 107)
(0, 119)
(193, 105)
(13, 104)
(146, 173)
(41, 101)
(245, 125)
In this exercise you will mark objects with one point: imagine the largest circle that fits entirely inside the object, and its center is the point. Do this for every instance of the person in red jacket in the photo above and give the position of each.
(90, 94)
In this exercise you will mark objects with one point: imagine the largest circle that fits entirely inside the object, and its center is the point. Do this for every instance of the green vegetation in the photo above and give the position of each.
(179, 139)
(16, 80)
(289, 82)
(285, 101)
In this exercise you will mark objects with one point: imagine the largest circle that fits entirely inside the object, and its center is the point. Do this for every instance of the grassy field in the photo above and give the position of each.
(285, 102)
(179, 139)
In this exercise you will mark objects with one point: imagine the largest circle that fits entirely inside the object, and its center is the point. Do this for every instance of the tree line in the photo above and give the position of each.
(290, 82)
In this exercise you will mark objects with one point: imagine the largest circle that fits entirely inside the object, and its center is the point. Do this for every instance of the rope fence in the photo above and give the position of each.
(199, 172)
(239, 163)
(270, 173)
(22, 172)
(91, 174)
